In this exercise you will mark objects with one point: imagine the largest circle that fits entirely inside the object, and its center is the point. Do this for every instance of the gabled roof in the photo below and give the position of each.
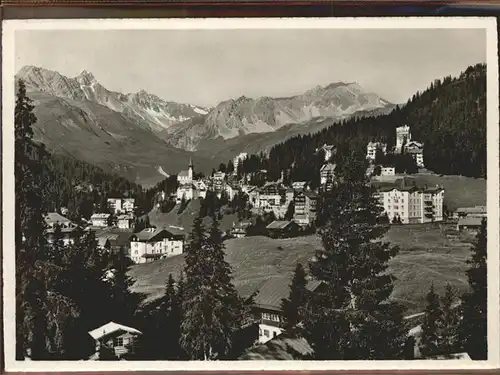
(270, 294)
(287, 346)
(279, 224)
(54, 217)
(472, 210)
(100, 216)
(110, 328)
(329, 167)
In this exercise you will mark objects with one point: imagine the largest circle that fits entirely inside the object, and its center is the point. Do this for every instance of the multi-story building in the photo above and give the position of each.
(218, 180)
(372, 147)
(52, 220)
(416, 150)
(125, 221)
(267, 305)
(238, 159)
(403, 136)
(151, 244)
(327, 175)
(411, 204)
(121, 205)
(305, 208)
(100, 220)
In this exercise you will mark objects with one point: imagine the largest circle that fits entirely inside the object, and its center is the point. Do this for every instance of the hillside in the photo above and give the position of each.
(183, 222)
(426, 256)
(98, 135)
(449, 118)
(236, 118)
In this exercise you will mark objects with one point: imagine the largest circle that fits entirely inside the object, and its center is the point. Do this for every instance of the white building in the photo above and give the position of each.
(411, 204)
(125, 221)
(186, 177)
(387, 171)
(100, 220)
(403, 135)
(327, 173)
(152, 244)
(416, 150)
(121, 205)
(372, 147)
(238, 159)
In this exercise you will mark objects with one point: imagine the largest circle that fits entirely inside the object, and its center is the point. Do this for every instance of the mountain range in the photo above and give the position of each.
(144, 137)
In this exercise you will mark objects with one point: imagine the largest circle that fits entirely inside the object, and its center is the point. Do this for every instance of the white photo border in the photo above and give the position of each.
(493, 192)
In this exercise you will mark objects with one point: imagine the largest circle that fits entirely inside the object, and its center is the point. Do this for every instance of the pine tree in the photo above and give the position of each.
(290, 211)
(293, 307)
(40, 311)
(211, 306)
(348, 319)
(473, 326)
(448, 339)
(431, 327)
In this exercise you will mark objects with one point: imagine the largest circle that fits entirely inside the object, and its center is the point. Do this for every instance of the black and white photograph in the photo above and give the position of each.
(301, 194)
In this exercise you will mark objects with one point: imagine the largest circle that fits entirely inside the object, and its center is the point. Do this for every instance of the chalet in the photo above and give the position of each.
(114, 239)
(267, 305)
(470, 224)
(218, 179)
(416, 150)
(117, 338)
(153, 244)
(282, 229)
(52, 220)
(305, 204)
(100, 220)
(125, 221)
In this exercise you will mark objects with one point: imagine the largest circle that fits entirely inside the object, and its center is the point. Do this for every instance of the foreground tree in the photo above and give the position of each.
(40, 311)
(473, 327)
(212, 309)
(448, 340)
(293, 307)
(349, 318)
(431, 327)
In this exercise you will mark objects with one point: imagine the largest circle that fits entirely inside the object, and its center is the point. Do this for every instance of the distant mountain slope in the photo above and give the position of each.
(238, 117)
(149, 109)
(96, 134)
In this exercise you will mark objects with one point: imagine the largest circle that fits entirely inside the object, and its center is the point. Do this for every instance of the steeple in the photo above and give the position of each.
(190, 163)
(191, 170)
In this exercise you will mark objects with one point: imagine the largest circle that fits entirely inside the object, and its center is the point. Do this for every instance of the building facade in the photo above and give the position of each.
(372, 147)
(412, 205)
(387, 171)
(305, 208)
(403, 136)
(100, 220)
(52, 220)
(152, 244)
(416, 150)
(327, 175)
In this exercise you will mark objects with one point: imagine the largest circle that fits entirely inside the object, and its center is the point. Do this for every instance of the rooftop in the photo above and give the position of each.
(278, 224)
(100, 216)
(286, 346)
(470, 221)
(270, 294)
(110, 328)
(328, 167)
(54, 217)
(472, 210)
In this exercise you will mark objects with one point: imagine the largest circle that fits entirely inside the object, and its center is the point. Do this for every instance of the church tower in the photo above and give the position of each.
(191, 170)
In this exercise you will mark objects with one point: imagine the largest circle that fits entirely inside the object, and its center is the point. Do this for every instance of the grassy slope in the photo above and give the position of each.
(426, 256)
(186, 218)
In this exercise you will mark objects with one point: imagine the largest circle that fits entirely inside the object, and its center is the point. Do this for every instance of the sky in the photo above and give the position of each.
(205, 67)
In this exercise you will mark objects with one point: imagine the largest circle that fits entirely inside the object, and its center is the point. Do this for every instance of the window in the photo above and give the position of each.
(118, 341)
(275, 334)
(260, 331)
(266, 333)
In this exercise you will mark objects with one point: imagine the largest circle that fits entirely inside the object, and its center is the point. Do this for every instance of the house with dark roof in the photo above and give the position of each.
(477, 211)
(470, 224)
(155, 243)
(267, 305)
(114, 239)
(53, 220)
(282, 229)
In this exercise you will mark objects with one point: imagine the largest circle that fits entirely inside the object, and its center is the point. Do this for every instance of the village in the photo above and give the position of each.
(291, 211)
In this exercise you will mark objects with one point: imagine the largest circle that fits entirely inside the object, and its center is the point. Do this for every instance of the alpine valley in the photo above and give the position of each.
(144, 138)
